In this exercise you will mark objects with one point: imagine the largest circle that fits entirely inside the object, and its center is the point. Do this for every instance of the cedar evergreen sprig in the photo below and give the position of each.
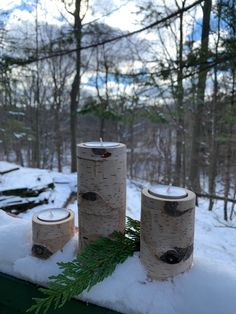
(96, 262)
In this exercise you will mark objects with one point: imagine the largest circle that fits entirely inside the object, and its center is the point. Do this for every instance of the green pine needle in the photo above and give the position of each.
(96, 262)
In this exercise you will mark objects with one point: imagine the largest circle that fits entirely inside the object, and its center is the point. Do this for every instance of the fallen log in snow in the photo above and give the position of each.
(27, 192)
(16, 204)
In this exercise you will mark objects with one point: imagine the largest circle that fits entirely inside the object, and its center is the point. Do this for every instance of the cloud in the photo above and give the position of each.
(7, 5)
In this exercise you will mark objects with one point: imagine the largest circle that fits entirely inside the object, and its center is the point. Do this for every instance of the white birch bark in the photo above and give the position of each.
(167, 235)
(101, 191)
(49, 237)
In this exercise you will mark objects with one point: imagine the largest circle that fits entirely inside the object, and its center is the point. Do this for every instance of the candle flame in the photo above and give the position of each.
(101, 141)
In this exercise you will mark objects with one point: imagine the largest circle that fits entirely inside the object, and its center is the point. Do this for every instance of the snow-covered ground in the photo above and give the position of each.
(208, 288)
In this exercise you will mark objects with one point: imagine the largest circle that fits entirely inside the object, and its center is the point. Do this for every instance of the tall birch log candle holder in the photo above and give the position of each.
(167, 231)
(101, 189)
(51, 230)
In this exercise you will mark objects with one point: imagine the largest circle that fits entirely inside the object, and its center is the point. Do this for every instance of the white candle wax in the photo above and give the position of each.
(97, 144)
(168, 191)
(52, 215)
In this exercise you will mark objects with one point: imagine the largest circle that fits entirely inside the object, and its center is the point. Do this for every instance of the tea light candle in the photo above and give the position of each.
(168, 191)
(167, 231)
(51, 230)
(101, 189)
(101, 144)
(52, 215)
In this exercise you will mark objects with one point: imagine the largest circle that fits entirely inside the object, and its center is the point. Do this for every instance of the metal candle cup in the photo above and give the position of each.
(168, 191)
(52, 215)
(101, 144)
(167, 231)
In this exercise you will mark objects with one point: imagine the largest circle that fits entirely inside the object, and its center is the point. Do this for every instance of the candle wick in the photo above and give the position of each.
(51, 214)
(168, 189)
(101, 141)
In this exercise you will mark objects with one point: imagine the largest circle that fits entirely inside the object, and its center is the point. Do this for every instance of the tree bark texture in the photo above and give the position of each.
(49, 237)
(215, 125)
(37, 145)
(180, 107)
(75, 89)
(101, 191)
(195, 157)
(167, 234)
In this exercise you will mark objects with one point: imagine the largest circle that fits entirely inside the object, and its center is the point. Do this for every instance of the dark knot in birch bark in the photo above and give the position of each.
(101, 152)
(170, 209)
(41, 251)
(106, 155)
(89, 196)
(177, 255)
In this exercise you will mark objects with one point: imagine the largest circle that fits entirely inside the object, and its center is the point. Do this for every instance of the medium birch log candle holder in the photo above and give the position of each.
(167, 231)
(51, 230)
(101, 189)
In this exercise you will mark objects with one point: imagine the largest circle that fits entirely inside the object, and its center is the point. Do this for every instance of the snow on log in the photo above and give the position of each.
(167, 234)
(6, 167)
(8, 170)
(16, 204)
(27, 192)
(101, 190)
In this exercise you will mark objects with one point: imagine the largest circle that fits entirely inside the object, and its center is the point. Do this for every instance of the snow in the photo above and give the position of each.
(205, 289)
(7, 166)
(25, 178)
(19, 135)
(209, 287)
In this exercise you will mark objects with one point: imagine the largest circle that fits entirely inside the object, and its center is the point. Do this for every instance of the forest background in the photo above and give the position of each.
(159, 76)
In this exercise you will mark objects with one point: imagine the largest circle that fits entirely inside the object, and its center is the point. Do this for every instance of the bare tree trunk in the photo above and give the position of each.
(103, 100)
(36, 157)
(213, 145)
(75, 90)
(180, 95)
(195, 163)
(57, 127)
(131, 159)
(227, 179)
(168, 157)
(233, 205)
(58, 135)
(228, 158)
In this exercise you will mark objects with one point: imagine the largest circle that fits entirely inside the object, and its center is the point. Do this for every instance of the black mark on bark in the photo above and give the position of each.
(41, 251)
(89, 196)
(171, 209)
(106, 155)
(101, 152)
(176, 255)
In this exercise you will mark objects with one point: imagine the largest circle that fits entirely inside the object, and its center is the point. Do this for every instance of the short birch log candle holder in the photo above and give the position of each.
(167, 231)
(51, 230)
(101, 189)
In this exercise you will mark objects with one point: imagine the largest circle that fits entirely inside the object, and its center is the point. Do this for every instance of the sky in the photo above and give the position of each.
(21, 19)
(124, 12)
(50, 10)
(124, 16)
